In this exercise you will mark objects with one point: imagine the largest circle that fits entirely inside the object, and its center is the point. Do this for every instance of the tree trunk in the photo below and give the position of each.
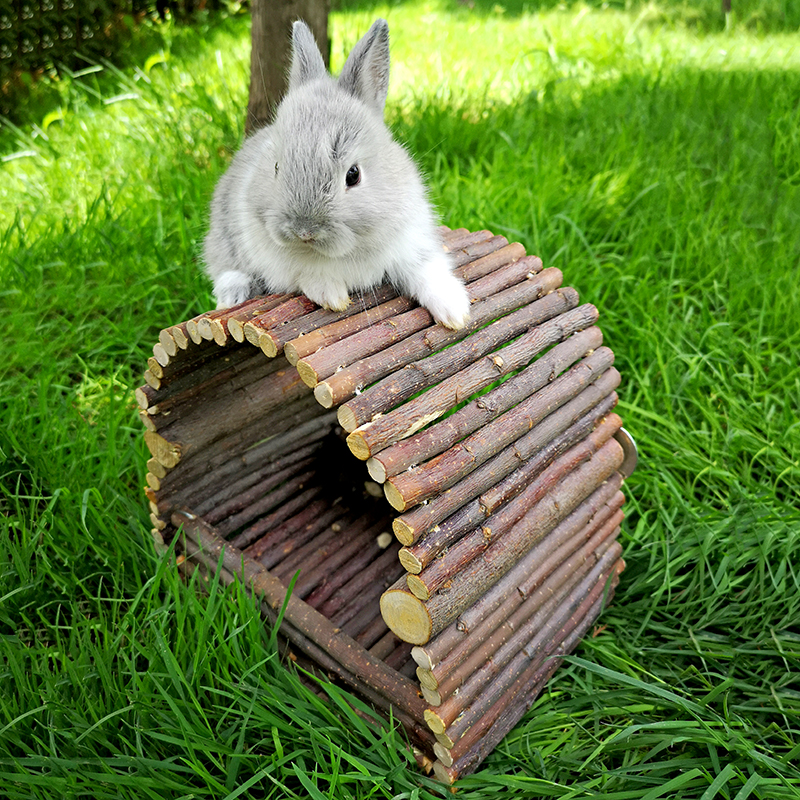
(272, 49)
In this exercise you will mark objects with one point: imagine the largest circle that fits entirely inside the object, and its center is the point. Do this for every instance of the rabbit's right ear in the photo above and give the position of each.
(307, 62)
(366, 72)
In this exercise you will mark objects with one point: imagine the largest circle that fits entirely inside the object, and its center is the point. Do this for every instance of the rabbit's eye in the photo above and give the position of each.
(276, 169)
(353, 175)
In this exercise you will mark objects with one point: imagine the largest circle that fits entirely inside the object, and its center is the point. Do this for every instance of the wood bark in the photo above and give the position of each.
(221, 384)
(195, 366)
(308, 528)
(356, 563)
(258, 306)
(286, 500)
(272, 396)
(504, 640)
(265, 475)
(385, 645)
(411, 526)
(439, 573)
(365, 334)
(345, 383)
(284, 561)
(416, 621)
(416, 557)
(354, 557)
(533, 639)
(440, 473)
(419, 375)
(436, 439)
(371, 581)
(293, 308)
(316, 321)
(340, 336)
(582, 530)
(202, 475)
(469, 751)
(300, 617)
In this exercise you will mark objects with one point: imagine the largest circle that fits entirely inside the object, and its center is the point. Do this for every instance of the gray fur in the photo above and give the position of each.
(284, 218)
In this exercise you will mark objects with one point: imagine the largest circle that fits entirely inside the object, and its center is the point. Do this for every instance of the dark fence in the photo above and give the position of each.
(39, 35)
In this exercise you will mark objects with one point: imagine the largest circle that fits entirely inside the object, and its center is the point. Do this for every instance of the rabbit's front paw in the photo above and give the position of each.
(231, 288)
(452, 310)
(334, 298)
(444, 295)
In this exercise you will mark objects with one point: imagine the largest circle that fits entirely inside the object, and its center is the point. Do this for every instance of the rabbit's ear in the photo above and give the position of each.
(307, 63)
(366, 71)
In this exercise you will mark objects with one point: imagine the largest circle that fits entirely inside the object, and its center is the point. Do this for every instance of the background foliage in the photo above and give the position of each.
(646, 151)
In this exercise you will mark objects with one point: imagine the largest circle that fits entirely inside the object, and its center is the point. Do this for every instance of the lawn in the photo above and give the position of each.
(647, 151)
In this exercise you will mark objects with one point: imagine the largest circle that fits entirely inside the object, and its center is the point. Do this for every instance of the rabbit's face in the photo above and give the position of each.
(325, 179)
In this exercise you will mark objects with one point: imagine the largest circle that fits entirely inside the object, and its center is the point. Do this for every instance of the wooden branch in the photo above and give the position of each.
(350, 340)
(439, 572)
(416, 621)
(308, 347)
(371, 635)
(359, 553)
(385, 645)
(461, 239)
(370, 338)
(291, 309)
(345, 383)
(363, 608)
(263, 474)
(182, 365)
(298, 616)
(482, 688)
(307, 529)
(411, 526)
(252, 494)
(214, 360)
(417, 556)
(167, 342)
(553, 325)
(584, 529)
(199, 477)
(285, 500)
(371, 581)
(353, 557)
(477, 268)
(274, 340)
(469, 751)
(285, 561)
(431, 478)
(170, 454)
(399, 657)
(500, 643)
(438, 438)
(257, 306)
(322, 660)
(221, 384)
(230, 413)
(474, 251)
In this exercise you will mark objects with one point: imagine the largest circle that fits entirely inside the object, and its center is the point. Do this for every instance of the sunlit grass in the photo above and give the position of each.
(650, 155)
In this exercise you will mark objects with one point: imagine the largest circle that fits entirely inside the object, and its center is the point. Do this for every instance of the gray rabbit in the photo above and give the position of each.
(324, 201)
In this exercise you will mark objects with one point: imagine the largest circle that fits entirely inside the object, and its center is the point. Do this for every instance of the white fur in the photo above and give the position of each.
(304, 229)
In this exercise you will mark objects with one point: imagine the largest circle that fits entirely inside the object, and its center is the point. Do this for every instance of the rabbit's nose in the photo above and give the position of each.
(306, 234)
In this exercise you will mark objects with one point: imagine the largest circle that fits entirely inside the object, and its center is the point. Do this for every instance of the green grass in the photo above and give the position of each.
(649, 154)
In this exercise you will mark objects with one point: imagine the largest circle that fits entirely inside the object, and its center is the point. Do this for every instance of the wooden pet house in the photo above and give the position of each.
(496, 447)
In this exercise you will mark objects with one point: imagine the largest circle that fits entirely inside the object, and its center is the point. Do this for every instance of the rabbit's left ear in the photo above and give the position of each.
(307, 62)
(366, 71)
